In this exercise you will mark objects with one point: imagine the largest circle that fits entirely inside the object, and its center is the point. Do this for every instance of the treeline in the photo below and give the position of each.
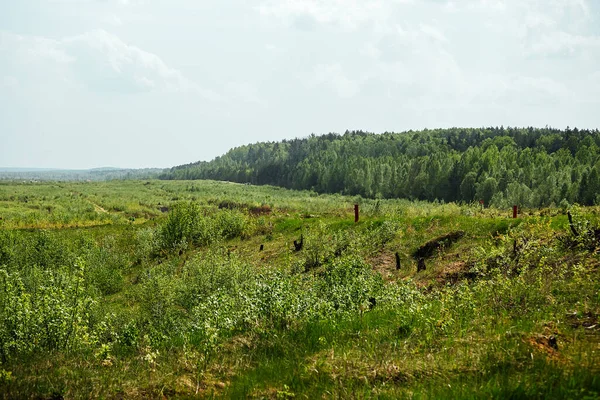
(100, 174)
(502, 166)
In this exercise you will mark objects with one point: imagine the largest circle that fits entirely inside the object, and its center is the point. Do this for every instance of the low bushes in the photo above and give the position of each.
(218, 295)
(189, 224)
(52, 314)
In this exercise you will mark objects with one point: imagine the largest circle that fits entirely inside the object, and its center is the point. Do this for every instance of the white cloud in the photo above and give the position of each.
(114, 20)
(438, 52)
(110, 57)
(416, 60)
(33, 48)
(433, 33)
(345, 13)
(126, 3)
(102, 62)
(557, 28)
(564, 44)
(145, 82)
(334, 76)
(537, 20)
(9, 82)
(538, 91)
(244, 91)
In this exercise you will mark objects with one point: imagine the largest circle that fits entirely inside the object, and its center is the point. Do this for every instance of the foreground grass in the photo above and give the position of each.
(510, 310)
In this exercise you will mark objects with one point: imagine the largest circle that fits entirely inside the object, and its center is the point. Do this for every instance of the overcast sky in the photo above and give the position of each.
(157, 83)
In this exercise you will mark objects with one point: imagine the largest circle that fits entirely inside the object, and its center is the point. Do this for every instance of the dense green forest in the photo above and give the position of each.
(530, 167)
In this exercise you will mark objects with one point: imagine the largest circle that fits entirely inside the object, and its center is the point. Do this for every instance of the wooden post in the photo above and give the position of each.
(355, 213)
(421, 265)
(575, 233)
(515, 209)
(397, 261)
(298, 245)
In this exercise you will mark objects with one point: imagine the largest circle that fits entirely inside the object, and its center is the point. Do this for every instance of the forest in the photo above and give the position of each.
(528, 167)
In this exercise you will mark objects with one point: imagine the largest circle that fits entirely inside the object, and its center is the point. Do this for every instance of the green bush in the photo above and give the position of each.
(349, 284)
(24, 250)
(380, 233)
(188, 224)
(184, 225)
(215, 270)
(231, 224)
(319, 246)
(274, 299)
(106, 266)
(160, 315)
(144, 245)
(53, 315)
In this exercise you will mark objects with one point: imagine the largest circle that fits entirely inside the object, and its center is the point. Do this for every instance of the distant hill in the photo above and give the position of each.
(106, 169)
(11, 169)
(501, 166)
(95, 174)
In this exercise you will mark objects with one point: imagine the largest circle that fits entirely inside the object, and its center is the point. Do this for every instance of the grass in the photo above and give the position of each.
(506, 311)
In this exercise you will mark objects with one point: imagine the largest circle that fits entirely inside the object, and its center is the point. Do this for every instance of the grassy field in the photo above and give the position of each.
(154, 289)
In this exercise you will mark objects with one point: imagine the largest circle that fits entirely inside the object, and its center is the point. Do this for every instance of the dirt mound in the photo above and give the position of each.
(442, 242)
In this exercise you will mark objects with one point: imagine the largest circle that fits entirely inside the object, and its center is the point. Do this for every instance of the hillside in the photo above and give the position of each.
(502, 166)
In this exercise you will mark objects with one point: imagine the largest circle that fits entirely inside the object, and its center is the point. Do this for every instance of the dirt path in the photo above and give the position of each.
(97, 208)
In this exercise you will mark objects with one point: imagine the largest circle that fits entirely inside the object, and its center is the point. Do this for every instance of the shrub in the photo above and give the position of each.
(379, 234)
(231, 224)
(350, 284)
(215, 270)
(159, 311)
(185, 224)
(53, 315)
(106, 266)
(145, 243)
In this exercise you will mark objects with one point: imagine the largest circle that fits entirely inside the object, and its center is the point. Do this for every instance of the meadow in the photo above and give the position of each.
(185, 289)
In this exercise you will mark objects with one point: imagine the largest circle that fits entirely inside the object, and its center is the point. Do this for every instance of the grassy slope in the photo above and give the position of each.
(459, 341)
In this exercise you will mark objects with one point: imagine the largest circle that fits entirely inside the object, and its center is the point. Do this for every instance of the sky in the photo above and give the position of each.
(158, 83)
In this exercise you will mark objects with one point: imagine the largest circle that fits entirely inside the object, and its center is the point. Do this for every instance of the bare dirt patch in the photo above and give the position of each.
(97, 208)
(384, 263)
(455, 272)
(547, 345)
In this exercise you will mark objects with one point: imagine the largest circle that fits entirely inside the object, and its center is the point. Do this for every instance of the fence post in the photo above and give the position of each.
(355, 213)
(515, 210)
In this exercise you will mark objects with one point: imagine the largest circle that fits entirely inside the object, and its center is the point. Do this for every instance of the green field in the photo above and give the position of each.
(154, 289)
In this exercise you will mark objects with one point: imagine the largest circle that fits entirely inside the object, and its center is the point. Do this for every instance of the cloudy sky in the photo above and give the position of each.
(156, 83)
